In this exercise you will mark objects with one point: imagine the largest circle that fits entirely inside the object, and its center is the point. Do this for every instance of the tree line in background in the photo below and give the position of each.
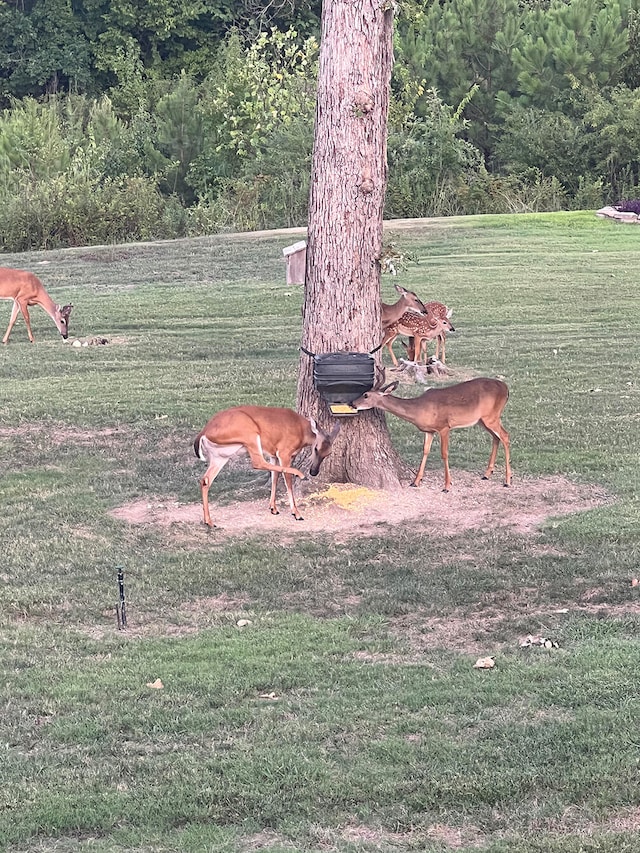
(134, 120)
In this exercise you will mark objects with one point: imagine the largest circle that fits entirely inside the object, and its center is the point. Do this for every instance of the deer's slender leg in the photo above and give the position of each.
(389, 346)
(288, 481)
(209, 476)
(217, 455)
(27, 319)
(12, 320)
(428, 438)
(504, 437)
(260, 463)
(422, 350)
(295, 512)
(413, 353)
(444, 449)
(498, 434)
(272, 498)
(493, 455)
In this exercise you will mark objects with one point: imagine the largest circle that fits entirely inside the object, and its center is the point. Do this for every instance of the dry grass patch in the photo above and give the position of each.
(62, 435)
(189, 618)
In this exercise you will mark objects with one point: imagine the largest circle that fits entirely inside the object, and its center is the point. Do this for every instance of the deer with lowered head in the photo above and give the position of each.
(277, 433)
(439, 410)
(26, 289)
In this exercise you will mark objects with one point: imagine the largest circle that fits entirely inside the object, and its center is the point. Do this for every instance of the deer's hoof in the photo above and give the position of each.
(297, 517)
(274, 511)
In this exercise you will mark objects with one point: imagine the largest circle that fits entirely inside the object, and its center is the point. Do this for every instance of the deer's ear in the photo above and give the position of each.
(314, 426)
(390, 388)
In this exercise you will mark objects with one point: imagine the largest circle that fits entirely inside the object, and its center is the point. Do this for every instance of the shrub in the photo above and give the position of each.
(528, 193)
(66, 211)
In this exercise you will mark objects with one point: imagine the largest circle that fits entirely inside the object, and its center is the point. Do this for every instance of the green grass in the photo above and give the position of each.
(348, 715)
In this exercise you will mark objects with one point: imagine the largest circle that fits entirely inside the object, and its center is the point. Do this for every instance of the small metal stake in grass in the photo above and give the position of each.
(121, 610)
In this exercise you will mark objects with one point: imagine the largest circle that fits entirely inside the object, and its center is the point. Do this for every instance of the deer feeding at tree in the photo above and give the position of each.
(439, 410)
(26, 289)
(280, 434)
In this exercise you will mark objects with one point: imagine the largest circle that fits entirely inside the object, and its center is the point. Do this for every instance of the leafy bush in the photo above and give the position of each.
(590, 195)
(425, 156)
(552, 143)
(67, 210)
(528, 193)
(615, 120)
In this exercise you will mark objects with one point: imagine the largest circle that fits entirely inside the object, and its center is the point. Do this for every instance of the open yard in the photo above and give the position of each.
(310, 686)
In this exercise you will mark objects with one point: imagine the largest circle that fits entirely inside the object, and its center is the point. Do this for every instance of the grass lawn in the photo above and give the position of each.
(346, 714)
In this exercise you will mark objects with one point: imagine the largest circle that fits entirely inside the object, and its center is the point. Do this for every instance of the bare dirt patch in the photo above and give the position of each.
(347, 510)
(61, 435)
(452, 838)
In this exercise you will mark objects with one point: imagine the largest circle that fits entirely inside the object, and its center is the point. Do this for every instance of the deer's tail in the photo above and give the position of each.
(197, 447)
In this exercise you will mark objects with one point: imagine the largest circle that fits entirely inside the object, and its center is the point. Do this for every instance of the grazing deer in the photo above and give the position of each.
(419, 328)
(408, 302)
(439, 410)
(258, 430)
(26, 289)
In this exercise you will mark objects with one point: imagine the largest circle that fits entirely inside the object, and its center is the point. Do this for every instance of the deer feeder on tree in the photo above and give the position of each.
(342, 377)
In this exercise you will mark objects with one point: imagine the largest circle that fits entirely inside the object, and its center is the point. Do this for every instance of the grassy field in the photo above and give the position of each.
(347, 716)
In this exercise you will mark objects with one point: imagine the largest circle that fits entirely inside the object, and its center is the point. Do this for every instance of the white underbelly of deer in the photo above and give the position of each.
(219, 454)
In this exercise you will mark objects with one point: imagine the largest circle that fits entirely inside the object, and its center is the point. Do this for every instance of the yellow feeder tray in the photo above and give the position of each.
(342, 409)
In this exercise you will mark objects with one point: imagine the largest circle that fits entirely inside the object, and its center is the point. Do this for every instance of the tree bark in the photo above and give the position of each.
(344, 240)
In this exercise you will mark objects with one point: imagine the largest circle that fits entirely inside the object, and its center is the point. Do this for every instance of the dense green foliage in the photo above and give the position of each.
(204, 112)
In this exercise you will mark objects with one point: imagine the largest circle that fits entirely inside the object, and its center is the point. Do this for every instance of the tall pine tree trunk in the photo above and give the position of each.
(344, 242)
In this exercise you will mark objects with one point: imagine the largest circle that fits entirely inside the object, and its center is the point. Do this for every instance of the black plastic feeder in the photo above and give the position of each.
(341, 377)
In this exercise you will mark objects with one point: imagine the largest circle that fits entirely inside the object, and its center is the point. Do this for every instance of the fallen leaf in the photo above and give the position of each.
(242, 623)
(157, 684)
(484, 663)
(634, 581)
(269, 696)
